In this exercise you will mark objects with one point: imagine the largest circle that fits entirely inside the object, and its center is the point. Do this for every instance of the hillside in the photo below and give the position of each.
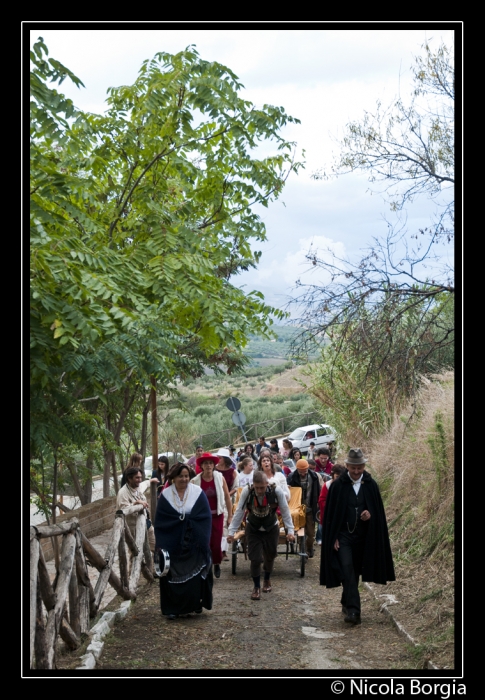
(414, 465)
(267, 395)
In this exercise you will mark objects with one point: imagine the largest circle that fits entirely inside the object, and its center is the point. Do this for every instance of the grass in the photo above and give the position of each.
(412, 464)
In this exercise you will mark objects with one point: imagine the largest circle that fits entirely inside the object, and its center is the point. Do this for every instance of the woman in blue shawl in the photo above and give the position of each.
(182, 527)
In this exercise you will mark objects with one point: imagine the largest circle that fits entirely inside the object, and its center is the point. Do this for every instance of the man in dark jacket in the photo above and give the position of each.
(355, 537)
(261, 445)
(308, 481)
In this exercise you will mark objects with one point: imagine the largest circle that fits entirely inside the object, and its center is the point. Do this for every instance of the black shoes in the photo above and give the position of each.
(198, 611)
(353, 618)
(217, 570)
(172, 617)
(344, 610)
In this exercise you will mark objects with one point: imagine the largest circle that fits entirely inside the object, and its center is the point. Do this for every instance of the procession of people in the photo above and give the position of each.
(195, 504)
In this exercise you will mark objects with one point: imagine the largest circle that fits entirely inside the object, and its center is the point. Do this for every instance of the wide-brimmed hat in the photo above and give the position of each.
(207, 456)
(302, 464)
(224, 452)
(356, 456)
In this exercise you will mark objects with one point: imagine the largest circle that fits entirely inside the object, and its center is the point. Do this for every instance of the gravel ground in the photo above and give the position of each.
(298, 626)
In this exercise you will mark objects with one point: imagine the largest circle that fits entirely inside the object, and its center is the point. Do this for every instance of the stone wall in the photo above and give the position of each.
(93, 518)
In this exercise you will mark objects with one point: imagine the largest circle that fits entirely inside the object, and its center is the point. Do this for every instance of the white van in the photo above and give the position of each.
(172, 458)
(320, 434)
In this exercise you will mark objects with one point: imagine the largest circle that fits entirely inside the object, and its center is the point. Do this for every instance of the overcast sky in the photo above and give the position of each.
(325, 77)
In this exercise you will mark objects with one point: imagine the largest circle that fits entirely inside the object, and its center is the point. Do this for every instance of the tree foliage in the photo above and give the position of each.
(391, 311)
(140, 218)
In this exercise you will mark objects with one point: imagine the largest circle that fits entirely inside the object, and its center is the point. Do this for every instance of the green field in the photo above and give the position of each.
(260, 350)
(201, 409)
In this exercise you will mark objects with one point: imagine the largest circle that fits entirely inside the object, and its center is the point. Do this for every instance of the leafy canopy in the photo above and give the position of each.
(140, 217)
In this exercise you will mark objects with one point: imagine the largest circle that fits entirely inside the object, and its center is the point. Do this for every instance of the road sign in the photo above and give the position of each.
(233, 404)
(238, 418)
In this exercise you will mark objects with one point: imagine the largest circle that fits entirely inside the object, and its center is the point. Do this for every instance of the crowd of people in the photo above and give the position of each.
(194, 522)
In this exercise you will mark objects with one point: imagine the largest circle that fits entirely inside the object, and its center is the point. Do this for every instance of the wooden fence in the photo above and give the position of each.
(66, 606)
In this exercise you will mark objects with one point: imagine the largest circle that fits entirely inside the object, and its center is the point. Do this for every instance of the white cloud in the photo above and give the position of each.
(298, 267)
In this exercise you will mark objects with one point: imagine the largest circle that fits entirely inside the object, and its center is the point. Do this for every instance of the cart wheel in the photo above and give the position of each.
(234, 557)
(302, 554)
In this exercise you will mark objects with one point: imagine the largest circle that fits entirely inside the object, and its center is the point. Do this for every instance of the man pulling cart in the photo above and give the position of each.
(261, 500)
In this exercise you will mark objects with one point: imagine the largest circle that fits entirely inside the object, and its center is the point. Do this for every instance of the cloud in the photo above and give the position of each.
(297, 267)
(277, 277)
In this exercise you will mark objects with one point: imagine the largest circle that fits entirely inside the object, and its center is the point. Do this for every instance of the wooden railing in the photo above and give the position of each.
(66, 606)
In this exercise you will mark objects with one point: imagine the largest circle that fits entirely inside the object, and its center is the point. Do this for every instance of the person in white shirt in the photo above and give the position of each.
(247, 472)
(266, 465)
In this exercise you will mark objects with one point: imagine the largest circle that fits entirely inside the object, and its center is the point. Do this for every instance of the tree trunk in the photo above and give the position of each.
(88, 484)
(80, 493)
(144, 429)
(115, 475)
(153, 501)
(55, 544)
(107, 458)
(153, 401)
(116, 430)
(54, 493)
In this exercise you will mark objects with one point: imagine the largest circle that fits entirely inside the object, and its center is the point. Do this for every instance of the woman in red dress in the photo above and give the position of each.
(215, 488)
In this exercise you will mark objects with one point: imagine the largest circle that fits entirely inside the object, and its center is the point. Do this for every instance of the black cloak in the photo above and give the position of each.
(377, 564)
(188, 585)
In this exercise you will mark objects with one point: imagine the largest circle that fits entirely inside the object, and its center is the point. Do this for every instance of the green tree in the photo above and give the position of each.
(139, 219)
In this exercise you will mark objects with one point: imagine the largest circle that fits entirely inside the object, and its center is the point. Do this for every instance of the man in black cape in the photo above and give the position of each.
(355, 537)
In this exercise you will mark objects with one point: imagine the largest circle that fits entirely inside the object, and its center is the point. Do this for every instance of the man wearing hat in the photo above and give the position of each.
(309, 483)
(355, 539)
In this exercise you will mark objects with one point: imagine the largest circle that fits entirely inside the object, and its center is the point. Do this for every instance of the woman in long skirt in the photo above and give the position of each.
(215, 488)
(183, 528)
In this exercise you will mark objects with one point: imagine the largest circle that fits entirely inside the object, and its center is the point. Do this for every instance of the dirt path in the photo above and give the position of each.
(298, 625)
